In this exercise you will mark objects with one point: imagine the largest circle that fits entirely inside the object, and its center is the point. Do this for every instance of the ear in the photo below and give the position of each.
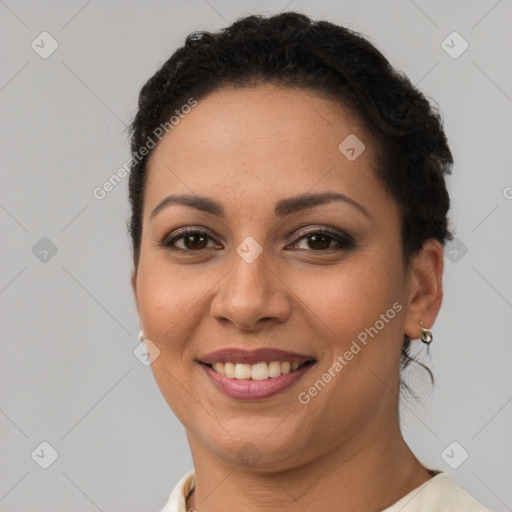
(134, 286)
(425, 288)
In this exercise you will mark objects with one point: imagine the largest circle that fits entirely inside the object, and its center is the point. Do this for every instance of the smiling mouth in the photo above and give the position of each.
(259, 371)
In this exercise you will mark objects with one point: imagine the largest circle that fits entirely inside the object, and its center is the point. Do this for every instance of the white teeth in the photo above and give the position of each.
(219, 368)
(259, 371)
(229, 370)
(242, 371)
(274, 369)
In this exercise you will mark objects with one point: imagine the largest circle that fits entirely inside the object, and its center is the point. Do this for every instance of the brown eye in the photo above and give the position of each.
(320, 241)
(192, 240)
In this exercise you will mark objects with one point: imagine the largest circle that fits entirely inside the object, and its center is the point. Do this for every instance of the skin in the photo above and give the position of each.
(247, 149)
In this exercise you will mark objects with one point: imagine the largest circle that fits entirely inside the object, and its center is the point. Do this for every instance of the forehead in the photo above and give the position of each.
(263, 142)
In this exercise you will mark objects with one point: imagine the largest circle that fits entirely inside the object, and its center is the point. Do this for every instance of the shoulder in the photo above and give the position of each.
(177, 498)
(439, 494)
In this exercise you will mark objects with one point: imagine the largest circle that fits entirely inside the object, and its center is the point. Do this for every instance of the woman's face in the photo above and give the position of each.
(259, 275)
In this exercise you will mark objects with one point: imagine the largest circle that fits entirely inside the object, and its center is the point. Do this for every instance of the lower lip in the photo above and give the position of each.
(248, 389)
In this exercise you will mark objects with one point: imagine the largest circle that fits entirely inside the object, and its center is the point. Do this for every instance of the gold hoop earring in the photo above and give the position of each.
(426, 335)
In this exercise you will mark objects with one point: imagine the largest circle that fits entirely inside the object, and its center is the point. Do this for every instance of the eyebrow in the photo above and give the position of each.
(283, 207)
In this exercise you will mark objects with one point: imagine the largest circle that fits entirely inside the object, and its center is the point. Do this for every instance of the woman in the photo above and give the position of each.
(289, 213)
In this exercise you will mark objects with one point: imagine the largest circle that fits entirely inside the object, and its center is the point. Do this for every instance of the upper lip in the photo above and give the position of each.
(236, 355)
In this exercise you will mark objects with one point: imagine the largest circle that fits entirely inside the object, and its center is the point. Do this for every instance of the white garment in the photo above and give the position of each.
(439, 494)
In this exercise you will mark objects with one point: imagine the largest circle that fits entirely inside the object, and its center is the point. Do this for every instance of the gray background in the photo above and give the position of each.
(68, 374)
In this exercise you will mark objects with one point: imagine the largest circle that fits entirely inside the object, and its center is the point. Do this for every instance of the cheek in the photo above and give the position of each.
(358, 316)
(349, 300)
(170, 308)
(168, 304)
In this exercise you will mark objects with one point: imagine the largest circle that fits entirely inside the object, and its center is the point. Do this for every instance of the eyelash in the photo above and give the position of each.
(344, 241)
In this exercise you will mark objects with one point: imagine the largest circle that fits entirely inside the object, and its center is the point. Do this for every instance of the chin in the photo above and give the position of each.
(261, 449)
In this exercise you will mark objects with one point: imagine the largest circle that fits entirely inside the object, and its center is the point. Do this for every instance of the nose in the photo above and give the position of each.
(251, 295)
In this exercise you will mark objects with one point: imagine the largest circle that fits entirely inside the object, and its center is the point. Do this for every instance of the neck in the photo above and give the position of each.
(363, 476)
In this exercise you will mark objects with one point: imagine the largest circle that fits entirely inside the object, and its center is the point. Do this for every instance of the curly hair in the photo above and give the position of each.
(292, 50)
